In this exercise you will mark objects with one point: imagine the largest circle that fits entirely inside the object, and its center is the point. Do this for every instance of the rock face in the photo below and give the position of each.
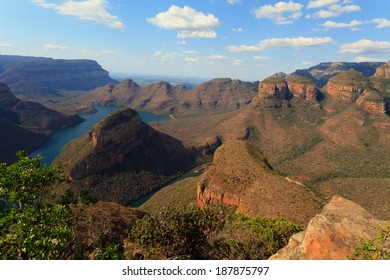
(347, 86)
(371, 101)
(240, 176)
(333, 234)
(383, 71)
(122, 147)
(215, 95)
(277, 90)
(25, 125)
(303, 87)
(47, 77)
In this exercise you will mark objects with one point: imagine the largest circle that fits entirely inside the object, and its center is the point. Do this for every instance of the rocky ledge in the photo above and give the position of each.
(333, 234)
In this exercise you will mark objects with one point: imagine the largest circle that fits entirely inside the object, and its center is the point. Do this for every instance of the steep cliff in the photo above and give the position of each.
(46, 77)
(303, 87)
(122, 159)
(347, 86)
(333, 234)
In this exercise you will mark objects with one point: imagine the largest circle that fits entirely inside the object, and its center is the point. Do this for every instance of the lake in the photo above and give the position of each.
(56, 142)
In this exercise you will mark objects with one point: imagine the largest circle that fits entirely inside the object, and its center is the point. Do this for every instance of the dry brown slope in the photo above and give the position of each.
(240, 176)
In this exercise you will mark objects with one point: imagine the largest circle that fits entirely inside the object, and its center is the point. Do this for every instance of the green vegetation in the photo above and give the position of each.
(207, 234)
(31, 229)
(377, 248)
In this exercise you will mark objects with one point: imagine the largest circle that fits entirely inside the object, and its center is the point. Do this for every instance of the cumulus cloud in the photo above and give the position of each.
(280, 13)
(335, 11)
(368, 59)
(91, 10)
(381, 22)
(314, 4)
(366, 47)
(273, 43)
(166, 56)
(189, 22)
(353, 25)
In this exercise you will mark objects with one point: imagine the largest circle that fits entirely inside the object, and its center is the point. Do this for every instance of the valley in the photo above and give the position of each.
(287, 147)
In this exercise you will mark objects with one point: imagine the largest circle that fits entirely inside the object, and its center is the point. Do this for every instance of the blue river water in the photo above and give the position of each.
(53, 146)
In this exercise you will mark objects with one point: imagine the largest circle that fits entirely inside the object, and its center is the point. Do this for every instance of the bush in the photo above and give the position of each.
(377, 248)
(177, 232)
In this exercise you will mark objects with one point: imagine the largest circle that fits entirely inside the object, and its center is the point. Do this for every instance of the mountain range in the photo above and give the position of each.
(287, 146)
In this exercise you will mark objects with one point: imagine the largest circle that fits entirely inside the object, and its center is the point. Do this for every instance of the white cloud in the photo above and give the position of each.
(191, 59)
(190, 23)
(166, 56)
(55, 47)
(240, 29)
(217, 57)
(353, 25)
(232, 2)
(197, 34)
(237, 62)
(335, 11)
(280, 13)
(368, 59)
(91, 10)
(258, 57)
(381, 22)
(366, 47)
(314, 4)
(273, 43)
(181, 42)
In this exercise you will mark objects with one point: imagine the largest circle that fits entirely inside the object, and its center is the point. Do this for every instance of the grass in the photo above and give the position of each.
(181, 193)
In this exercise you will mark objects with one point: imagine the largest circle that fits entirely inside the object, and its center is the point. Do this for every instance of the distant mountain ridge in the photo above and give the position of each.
(47, 77)
(326, 70)
(222, 94)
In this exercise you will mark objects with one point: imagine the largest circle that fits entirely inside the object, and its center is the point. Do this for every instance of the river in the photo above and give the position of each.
(53, 146)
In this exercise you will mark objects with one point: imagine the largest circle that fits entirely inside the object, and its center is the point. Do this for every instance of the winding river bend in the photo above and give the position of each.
(53, 146)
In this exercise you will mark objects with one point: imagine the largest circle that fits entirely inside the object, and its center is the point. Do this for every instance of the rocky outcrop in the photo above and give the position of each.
(347, 86)
(27, 124)
(333, 234)
(127, 157)
(303, 87)
(46, 77)
(240, 176)
(372, 102)
(383, 71)
(277, 90)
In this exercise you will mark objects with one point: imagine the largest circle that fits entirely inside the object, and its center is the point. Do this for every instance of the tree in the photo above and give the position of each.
(30, 229)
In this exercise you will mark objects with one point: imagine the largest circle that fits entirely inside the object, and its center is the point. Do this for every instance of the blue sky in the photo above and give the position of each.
(241, 39)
